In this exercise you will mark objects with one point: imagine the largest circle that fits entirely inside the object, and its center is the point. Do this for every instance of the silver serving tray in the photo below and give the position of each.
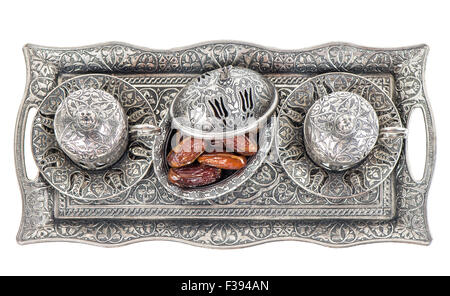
(243, 218)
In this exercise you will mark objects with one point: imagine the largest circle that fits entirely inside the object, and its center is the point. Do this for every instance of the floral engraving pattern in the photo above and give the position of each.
(218, 189)
(356, 124)
(73, 180)
(91, 128)
(269, 194)
(291, 144)
(223, 102)
(406, 65)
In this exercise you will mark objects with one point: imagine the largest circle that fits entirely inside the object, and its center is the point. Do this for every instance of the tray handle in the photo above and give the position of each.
(430, 138)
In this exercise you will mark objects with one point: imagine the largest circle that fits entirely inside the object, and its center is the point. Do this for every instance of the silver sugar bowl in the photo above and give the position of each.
(91, 128)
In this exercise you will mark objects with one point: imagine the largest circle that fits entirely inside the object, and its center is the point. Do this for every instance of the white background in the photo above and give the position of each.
(281, 24)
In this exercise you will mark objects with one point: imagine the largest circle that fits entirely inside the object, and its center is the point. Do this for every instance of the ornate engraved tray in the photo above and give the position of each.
(269, 206)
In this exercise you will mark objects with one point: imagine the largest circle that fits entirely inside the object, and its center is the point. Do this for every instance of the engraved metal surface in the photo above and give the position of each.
(91, 128)
(71, 179)
(373, 170)
(217, 189)
(406, 65)
(224, 103)
(269, 194)
(340, 130)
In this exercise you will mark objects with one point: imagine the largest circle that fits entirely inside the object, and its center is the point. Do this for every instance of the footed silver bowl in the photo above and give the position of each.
(216, 190)
(219, 104)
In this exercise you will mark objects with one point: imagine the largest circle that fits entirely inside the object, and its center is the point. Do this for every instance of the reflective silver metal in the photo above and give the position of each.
(91, 128)
(393, 132)
(340, 130)
(84, 118)
(218, 189)
(326, 133)
(268, 195)
(269, 206)
(224, 103)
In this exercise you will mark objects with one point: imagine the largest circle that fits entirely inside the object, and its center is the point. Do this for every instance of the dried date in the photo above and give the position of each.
(194, 175)
(226, 161)
(186, 152)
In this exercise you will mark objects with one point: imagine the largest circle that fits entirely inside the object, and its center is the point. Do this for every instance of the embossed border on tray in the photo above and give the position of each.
(406, 64)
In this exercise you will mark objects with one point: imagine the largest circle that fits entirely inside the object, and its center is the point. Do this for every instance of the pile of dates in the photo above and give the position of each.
(196, 162)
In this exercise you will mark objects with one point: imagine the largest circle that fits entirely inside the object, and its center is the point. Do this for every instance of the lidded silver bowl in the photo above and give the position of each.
(91, 128)
(220, 104)
(224, 103)
(340, 130)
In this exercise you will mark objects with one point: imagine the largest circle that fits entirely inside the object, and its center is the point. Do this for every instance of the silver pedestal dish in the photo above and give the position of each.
(218, 189)
(269, 206)
(219, 104)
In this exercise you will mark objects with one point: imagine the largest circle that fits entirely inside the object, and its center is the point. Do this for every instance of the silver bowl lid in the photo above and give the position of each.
(224, 103)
